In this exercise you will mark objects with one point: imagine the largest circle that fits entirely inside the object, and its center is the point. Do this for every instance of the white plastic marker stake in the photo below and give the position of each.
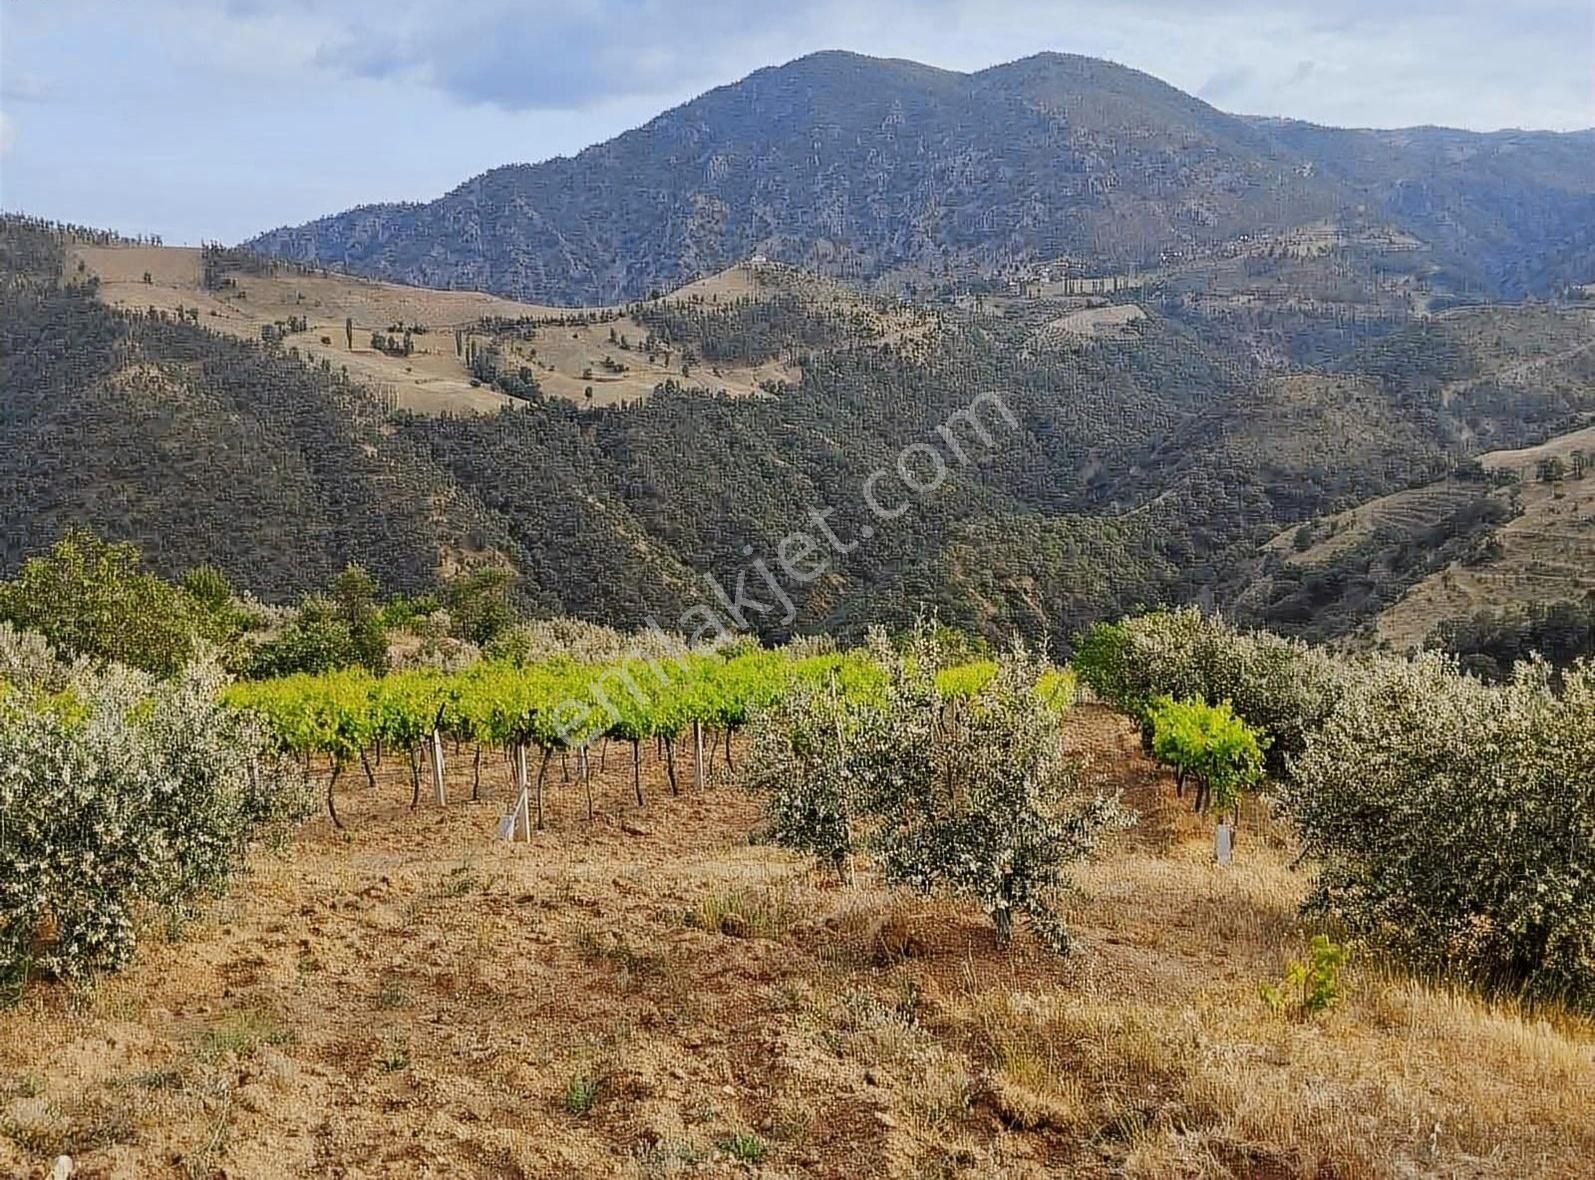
(437, 767)
(697, 749)
(1224, 842)
(523, 804)
(520, 810)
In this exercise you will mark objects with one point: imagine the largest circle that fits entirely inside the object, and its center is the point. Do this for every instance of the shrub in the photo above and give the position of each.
(581, 1095)
(744, 1146)
(1210, 744)
(27, 661)
(92, 598)
(1311, 985)
(807, 754)
(1455, 821)
(307, 644)
(545, 639)
(123, 797)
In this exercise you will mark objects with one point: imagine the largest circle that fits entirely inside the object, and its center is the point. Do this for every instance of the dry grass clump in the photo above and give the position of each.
(1173, 1065)
(872, 928)
(635, 966)
(747, 912)
(84, 1123)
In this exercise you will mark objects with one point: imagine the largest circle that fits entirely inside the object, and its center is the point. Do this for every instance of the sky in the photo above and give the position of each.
(216, 119)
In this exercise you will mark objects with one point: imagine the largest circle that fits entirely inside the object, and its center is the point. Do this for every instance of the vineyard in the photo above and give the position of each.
(883, 911)
(686, 705)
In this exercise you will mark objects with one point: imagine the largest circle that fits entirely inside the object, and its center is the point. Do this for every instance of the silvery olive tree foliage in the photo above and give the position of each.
(1455, 820)
(123, 798)
(1282, 688)
(544, 639)
(807, 750)
(28, 661)
(974, 798)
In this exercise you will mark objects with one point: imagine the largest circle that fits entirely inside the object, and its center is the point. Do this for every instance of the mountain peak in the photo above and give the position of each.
(889, 171)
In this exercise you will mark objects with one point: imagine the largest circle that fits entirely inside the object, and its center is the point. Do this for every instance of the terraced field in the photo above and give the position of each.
(1547, 554)
(1404, 515)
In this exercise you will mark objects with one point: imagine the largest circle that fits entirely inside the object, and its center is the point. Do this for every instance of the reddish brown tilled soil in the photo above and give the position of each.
(412, 997)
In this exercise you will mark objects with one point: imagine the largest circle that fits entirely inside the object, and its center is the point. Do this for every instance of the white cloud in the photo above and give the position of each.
(1464, 62)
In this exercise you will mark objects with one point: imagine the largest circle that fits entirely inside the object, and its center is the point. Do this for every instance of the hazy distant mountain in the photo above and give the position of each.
(869, 168)
(1513, 211)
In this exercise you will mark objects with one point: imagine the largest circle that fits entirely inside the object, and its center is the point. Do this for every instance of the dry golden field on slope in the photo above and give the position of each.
(653, 995)
(567, 361)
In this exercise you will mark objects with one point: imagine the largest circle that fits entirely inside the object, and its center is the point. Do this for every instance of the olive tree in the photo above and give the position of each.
(123, 798)
(978, 802)
(1455, 821)
(1282, 688)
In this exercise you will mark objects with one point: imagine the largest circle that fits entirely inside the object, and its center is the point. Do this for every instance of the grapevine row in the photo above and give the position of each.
(560, 707)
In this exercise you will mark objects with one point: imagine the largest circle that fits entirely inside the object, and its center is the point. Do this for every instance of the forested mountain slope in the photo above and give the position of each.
(1509, 213)
(201, 447)
(1125, 453)
(893, 171)
(1507, 529)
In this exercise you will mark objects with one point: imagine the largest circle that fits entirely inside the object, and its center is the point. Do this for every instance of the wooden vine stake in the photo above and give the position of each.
(584, 767)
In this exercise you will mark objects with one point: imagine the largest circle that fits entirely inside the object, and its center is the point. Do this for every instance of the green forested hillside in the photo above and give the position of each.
(1148, 463)
(200, 447)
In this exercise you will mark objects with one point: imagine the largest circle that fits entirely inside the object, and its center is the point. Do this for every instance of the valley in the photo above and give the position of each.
(887, 621)
(1178, 422)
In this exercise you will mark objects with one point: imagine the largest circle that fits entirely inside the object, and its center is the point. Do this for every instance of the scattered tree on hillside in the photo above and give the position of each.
(93, 598)
(479, 603)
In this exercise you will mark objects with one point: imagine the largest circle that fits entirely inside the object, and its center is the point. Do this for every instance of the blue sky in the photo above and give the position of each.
(219, 118)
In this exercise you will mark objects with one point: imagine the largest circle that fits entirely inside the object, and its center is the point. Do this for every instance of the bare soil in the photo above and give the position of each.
(652, 994)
